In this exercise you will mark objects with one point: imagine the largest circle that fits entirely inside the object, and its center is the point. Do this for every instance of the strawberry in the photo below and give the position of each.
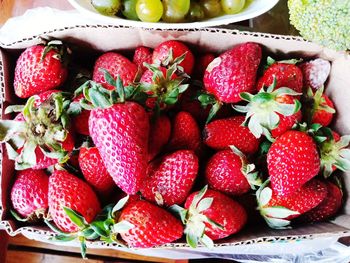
(159, 135)
(29, 194)
(185, 133)
(40, 68)
(170, 178)
(151, 225)
(202, 63)
(162, 85)
(119, 130)
(210, 215)
(327, 208)
(322, 108)
(334, 152)
(285, 74)
(292, 160)
(39, 136)
(94, 170)
(115, 64)
(271, 112)
(279, 210)
(166, 52)
(228, 171)
(233, 72)
(81, 120)
(66, 190)
(315, 73)
(142, 55)
(220, 134)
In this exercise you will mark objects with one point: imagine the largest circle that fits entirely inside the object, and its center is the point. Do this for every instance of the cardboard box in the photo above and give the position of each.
(107, 37)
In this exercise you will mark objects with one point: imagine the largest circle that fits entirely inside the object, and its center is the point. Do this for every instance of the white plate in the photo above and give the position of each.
(256, 8)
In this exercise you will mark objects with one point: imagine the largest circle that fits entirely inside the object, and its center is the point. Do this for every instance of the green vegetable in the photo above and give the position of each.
(326, 22)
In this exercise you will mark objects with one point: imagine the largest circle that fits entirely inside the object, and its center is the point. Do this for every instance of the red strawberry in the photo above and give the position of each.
(214, 214)
(286, 75)
(168, 51)
(328, 208)
(334, 152)
(159, 136)
(279, 210)
(142, 55)
(66, 190)
(292, 160)
(271, 112)
(202, 63)
(115, 64)
(81, 121)
(185, 133)
(120, 133)
(315, 73)
(36, 131)
(94, 170)
(152, 225)
(227, 172)
(163, 85)
(233, 72)
(322, 110)
(170, 178)
(39, 68)
(220, 134)
(29, 194)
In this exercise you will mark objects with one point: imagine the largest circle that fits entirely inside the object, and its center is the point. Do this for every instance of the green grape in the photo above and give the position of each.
(175, 10)
(212, 8)
(196, 12)
(106, 7)
(149, 10)
(232, 6)
(129, 9)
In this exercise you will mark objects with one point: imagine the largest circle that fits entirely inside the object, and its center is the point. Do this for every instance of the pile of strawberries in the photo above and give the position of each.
(171, 143)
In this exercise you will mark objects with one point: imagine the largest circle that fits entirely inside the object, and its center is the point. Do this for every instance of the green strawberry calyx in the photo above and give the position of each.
(165, 87)
(44, 126)
(248, 169)
(96, 96)
(105, 227)
(334, 154)
(171, 62)
(61, 50)
(207, 99)
(37, 215)
(270, 61)
(263, 109)
(195, 221)
(275, 216)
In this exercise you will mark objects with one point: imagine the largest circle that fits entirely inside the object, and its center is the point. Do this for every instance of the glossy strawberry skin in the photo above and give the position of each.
(286, 122)
(220, 134)
(142, 54)
(161, 52)
(67, 190)
(223, 173)
(315, 73)
(233, 72)
(160, 130)
(292, 160)
(327, 208)
(33, 76)
(287, 75)
(309, 196)
(115, 64)
(94, 170)
(224, 211)
(172, 176)
(30, 192)
(185, 133)
(81, 121)
(321, 116)
(153, 226)
(120, 133)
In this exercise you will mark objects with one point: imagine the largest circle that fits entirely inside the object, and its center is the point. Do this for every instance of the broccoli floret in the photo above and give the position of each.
(326, 22)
